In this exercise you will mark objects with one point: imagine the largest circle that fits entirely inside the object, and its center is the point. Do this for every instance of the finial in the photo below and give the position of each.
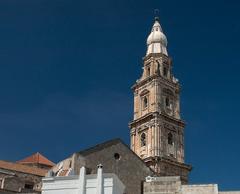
(156, 13)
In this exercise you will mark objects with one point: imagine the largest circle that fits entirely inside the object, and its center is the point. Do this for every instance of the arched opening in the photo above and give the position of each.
(145, 102)
(143, 139)
(148, 71)
(165, 71)
(167, 102)
(170, 139)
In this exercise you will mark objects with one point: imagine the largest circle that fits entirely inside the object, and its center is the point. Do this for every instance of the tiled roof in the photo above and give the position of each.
(37, 159)
(22, 168)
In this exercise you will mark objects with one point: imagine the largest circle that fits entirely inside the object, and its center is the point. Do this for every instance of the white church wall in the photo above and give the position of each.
(61, 185)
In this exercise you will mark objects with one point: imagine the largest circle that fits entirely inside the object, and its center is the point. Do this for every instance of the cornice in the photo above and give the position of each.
(155, 77)
(169, 161)
(156, 55)
(148, 116)
(151, 115)
(171, 119)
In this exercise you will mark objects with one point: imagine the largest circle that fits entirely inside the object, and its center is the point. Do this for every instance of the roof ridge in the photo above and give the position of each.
(100, 146)
(36, 158)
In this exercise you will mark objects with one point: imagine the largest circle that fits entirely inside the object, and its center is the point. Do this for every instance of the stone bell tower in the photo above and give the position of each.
(157, 131)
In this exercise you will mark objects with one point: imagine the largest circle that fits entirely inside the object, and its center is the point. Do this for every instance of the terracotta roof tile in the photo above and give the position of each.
(37, 158)
(22, 168)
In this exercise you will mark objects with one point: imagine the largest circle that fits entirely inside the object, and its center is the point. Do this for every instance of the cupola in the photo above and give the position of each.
(157, 41)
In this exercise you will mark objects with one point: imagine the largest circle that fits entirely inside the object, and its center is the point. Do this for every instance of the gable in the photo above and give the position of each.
(107, 146)
(116, 157)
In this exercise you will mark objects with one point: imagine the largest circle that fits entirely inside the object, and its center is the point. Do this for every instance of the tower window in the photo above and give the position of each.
(145, 102)
(167, 102)
(165, 71)
(143, 139)
(148, 71)
(170, 139)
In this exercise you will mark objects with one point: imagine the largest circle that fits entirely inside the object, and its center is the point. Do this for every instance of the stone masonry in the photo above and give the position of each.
(157, 130)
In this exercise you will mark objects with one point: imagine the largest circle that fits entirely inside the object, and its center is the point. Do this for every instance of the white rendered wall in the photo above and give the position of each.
(83, 184)
(61, 185)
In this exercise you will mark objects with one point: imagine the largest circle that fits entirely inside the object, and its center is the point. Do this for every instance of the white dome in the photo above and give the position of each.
(157, 41)
(157, 37)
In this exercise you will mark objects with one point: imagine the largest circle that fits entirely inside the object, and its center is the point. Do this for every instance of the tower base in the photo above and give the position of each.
(165, 167)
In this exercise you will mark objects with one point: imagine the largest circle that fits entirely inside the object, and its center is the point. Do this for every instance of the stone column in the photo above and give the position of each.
(152, 140)
(159, 138)
(156, 97)
(155, 140)
(149, 143)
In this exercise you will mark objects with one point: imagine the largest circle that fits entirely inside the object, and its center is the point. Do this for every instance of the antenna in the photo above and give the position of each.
(156, 13)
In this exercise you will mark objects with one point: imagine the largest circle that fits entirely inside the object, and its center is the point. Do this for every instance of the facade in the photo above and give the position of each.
(99, 183)
(21, 178)
(116, 158)
(173, 185)
(157, 130)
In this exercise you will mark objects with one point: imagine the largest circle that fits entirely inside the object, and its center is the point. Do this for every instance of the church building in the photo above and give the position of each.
(154, 163)
(157, 130)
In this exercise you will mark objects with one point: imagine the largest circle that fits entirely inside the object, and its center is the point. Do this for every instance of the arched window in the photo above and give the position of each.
(167, 102)
(158, 67)
(143, 139)
(165, 71)
(145, 102)
(148, 71)
(170, 139)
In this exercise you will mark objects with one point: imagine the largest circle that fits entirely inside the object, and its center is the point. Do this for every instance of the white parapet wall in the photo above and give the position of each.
(83, 184)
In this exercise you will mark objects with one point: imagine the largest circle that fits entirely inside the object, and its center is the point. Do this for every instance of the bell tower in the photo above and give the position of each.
(157, 130)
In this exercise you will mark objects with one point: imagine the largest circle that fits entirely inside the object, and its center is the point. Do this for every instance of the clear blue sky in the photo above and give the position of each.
(66, 68)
